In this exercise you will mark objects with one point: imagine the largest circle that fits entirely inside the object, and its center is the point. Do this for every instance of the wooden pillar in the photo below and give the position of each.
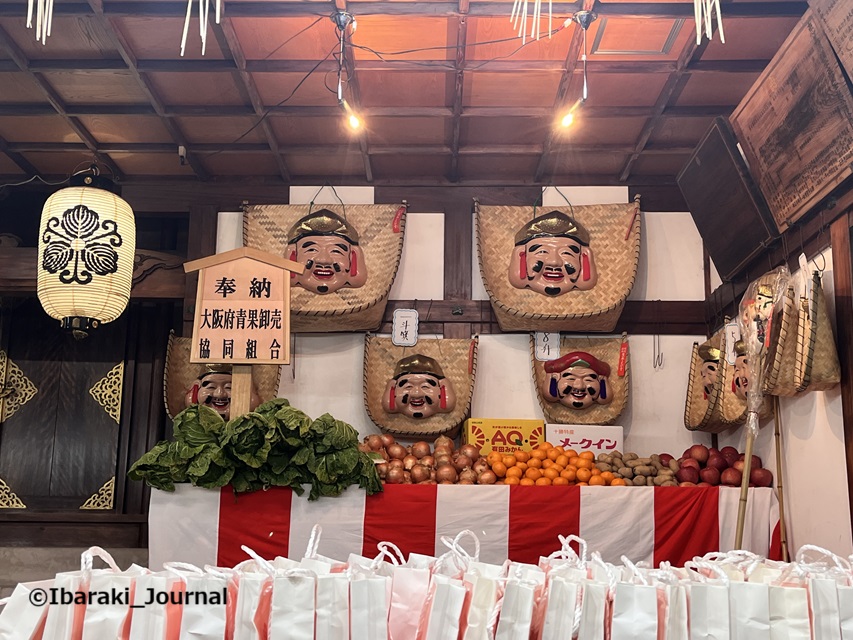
(842, 275)
(201, 242)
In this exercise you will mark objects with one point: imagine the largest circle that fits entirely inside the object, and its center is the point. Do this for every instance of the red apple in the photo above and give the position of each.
(756, 461)
(699, 452)
(726, 450)
(718, 462)
(690, 463)
(665, 458)
(686, 453)
(761, 477)
(687, 474)
(731, 477)
(687, 484)
(703, 484)
(740, 465)
(711, 475)
(730, 457)
(712, 451)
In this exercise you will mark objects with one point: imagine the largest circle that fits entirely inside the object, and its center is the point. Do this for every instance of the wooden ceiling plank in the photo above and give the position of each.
(18, 159)
(126, 52)
(562, 98)
(231, 47)
(56, 102)
(417, 8)
(673, 87)
(461, 46)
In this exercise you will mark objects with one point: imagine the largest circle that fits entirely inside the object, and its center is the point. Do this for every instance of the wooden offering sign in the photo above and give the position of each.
(837, 19)
(242, 313)
(796, 124)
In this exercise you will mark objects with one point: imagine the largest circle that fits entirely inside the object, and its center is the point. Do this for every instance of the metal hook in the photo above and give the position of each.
(823, 259)
(657, 353)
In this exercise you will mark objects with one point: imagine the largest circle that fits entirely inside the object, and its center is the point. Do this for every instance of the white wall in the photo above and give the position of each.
(814, 466)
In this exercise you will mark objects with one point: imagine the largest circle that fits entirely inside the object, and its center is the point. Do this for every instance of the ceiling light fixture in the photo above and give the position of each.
(584, 19)
(342, 20)
(704, 11)
(203, 13)
(44, 18)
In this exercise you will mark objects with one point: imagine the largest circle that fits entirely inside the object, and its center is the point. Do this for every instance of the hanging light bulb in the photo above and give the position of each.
(87, 243)
(353, 121)
(567, 120)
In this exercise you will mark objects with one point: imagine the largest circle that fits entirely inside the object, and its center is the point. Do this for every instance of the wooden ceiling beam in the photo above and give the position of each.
(563, 99)
(230, 45)
(18, 159)
(125, 51)
(670, 92)
(283, 9)
(459, 90)
(57, 103)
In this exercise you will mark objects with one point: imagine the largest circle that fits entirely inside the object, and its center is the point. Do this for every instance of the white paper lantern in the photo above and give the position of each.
(87, 242)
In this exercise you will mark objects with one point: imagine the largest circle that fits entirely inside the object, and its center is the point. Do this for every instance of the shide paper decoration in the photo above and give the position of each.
(87, 242)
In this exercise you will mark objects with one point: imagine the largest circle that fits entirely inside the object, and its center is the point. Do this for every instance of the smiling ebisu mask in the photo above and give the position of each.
(577, 380)
(552, 256)
(328, 247)
(419, 389)
(212, 388)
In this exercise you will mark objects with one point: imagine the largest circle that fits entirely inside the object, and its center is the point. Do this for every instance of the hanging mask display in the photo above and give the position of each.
(419, 389)
(577, 380)
(213, 389)
(328, 247)
(709, 368)
(742, 371)
(587, 384)
(552, 256)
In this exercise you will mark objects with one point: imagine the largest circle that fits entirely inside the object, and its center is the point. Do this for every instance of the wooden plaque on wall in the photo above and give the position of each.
(836, 16)
(731, 215)
(796, 124)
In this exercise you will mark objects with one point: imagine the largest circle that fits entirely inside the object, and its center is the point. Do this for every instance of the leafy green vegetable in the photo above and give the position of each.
(276, 445)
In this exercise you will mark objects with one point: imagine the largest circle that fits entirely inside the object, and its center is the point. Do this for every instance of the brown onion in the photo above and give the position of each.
(447, 473)
(395, 464)
(468, 475)
(419, 473)
(374, 441)
(428, 461)
(444, 441)
(382, 469)
(442, 461)
(397, 451)
(363, 448)
(387, 440)
(462, 462)
(432, 474)
(442, 451)
(395, 476)
(407, 477)
(481, 465)
(420, 449)
(487, 477)
(409, 461)
(469, 450)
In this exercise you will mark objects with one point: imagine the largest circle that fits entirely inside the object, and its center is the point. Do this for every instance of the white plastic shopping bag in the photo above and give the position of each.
(485, 580)
(204, 602)
(22, 618)
(789, 613)
(749, 605)
(293, 605)
(561, 609)
(108, 611)
(409, 589)
(248, 624)
(517, 610)
(443, 609)
(149, 617)
(825, 614)
(315, 562)
(635, 612)
(708, 602)
(333, 607)
(369, 607)
(677, 624)
(845, 610)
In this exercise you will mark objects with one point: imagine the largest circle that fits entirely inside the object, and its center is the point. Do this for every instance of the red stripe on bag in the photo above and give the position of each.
(260, 520)
(682, 509)
(537, 515)
(404, 515)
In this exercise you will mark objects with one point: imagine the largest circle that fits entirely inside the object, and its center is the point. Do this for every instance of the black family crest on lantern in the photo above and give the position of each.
(79, 245)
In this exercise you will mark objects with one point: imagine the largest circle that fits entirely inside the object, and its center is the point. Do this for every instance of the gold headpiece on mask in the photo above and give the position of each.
(212, 368)
(418, 363)
(764, 290)
(740, 348)
(554, 223)
(709, 353)
(322, 223)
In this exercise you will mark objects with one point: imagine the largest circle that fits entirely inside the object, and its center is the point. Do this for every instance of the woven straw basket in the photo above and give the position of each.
(817, 367)
(266, 227)
(458, 360)
(702, 413)
(780, 365)
(181, 373)
(598, 309)
(606, 350)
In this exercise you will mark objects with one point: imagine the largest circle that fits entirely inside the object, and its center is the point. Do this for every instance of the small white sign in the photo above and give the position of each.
(547, 346)
(805, 278)
(405, 329)
(732, 336)
(585, 437)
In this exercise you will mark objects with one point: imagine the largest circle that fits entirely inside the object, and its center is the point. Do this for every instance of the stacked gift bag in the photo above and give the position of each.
(571, 594)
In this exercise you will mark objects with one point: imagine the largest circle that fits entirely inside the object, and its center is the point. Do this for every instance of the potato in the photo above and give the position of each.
(643, 470)
(657, 465)
(616, 453)
(674, 466)
(603, 466)
(670, 483)
(636, 462)
(660, 480)
(617, 462)
(666, 471)
(630, 456)
(626, 472)
(654, 457)
(640, 481)
(602, 457)
(650, 481)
